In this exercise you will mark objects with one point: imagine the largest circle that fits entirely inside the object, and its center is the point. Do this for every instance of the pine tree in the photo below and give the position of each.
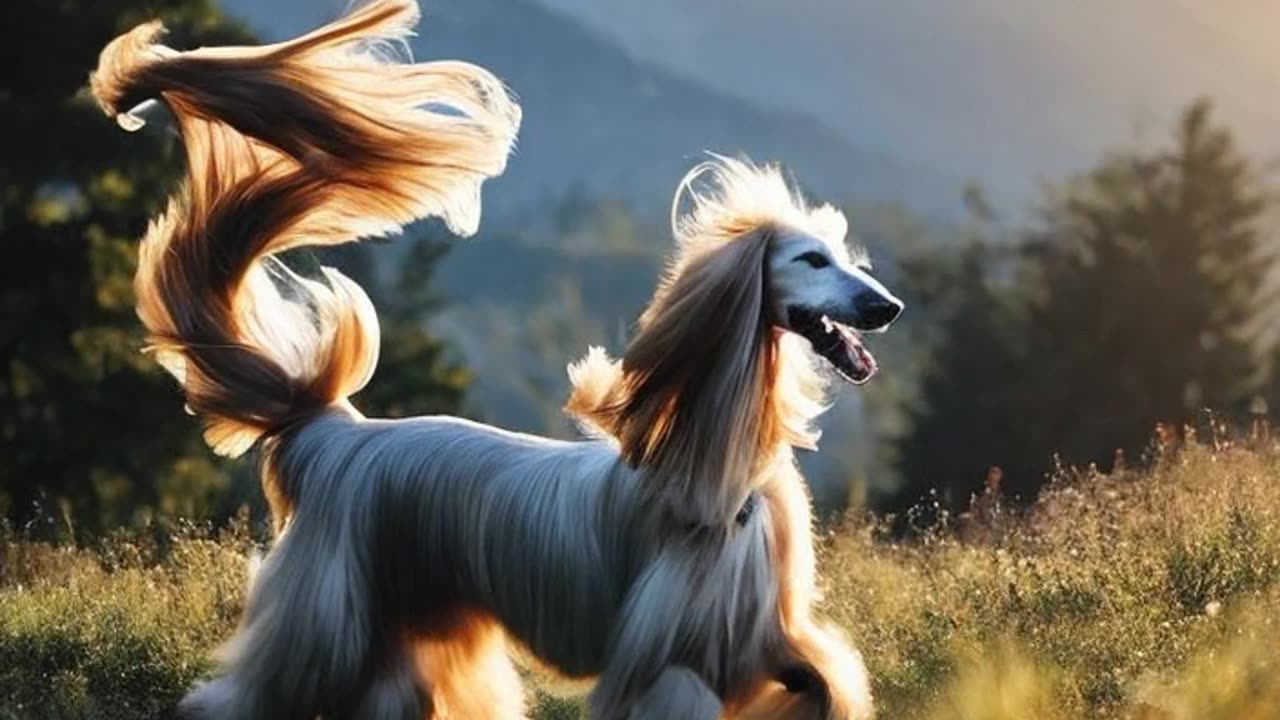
(1151, 273)
(966, 419)
(1137, 300)
(90, 429)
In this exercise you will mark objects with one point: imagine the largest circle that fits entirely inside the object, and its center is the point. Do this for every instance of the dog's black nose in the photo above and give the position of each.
(876, 311)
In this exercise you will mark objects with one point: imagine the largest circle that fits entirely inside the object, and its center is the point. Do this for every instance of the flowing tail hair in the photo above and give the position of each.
(320, 140)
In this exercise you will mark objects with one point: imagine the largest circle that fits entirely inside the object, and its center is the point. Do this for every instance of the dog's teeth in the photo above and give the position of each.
(827, 325)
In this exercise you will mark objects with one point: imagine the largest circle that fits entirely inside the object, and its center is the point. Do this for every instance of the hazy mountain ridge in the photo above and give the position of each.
(601, 131)
(1007, 91)
(599, 122)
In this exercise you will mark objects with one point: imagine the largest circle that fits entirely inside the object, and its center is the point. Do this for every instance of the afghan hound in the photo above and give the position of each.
(668, 554)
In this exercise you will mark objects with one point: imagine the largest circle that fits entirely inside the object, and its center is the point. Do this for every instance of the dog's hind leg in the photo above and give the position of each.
(305, 645)
(468, 669)
(396, 691)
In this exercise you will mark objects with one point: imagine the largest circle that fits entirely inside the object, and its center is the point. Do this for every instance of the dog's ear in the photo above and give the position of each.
(686, 402)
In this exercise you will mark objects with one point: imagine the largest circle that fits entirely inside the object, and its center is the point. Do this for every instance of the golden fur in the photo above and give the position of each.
(418, 551)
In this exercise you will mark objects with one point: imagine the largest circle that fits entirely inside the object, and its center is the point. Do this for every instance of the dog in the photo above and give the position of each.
(667, 554)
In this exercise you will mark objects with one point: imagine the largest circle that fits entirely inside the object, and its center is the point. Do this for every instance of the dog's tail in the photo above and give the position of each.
(320, 140)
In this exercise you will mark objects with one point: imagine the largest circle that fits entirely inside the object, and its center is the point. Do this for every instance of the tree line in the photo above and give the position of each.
(1140, 294)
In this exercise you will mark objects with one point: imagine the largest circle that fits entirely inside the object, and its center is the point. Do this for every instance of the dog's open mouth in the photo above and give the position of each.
(838, 344)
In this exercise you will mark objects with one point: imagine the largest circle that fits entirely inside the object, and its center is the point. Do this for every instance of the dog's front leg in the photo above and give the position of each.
(642, 679)
(678, 694)
(821, 667)
(816, 676)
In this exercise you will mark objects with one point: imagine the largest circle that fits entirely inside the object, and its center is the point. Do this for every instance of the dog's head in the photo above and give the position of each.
(754, 258)
(818, 291)
(715, 376)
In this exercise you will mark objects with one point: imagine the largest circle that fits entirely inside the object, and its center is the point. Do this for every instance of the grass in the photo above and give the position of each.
(1149, 594)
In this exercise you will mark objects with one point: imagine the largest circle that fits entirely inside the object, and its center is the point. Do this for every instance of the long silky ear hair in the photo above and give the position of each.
(706, 392)
(319, 140)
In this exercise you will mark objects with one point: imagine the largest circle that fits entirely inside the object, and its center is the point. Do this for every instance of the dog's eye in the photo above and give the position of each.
(814, 258)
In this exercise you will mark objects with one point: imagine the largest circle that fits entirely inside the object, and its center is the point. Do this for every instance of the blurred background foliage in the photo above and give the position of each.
(92, 432)
(1140, 295)
(1135, 293)
(86, 421)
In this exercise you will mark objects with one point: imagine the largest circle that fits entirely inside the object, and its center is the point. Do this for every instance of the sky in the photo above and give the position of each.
(1008, 92)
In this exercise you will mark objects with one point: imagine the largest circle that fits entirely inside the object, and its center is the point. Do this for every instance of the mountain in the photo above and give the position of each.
(570, 244)
(598, 121)
(1008, 91)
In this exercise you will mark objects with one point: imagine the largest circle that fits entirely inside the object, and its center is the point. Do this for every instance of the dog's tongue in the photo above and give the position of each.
(842, 347)
(860, 364)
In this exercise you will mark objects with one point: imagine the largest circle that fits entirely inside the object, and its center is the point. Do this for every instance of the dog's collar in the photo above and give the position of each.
(748, 508)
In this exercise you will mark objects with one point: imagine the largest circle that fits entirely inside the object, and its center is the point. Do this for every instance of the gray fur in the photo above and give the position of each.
(678, 694)
(410, 552)
(414, 550)
(396, 520)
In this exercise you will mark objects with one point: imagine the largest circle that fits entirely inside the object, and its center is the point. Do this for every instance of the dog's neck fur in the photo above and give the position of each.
(707, 395)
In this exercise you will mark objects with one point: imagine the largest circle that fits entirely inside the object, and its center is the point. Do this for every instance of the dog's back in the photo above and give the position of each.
(441, 513)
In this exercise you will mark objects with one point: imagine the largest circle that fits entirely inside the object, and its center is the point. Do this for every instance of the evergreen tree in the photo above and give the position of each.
(85, 419)
(1151, 271)
(967, 418)
(1136, 301)
(90, 429)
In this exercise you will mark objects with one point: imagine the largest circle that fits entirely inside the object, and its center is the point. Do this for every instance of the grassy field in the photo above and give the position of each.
(1141, 594)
